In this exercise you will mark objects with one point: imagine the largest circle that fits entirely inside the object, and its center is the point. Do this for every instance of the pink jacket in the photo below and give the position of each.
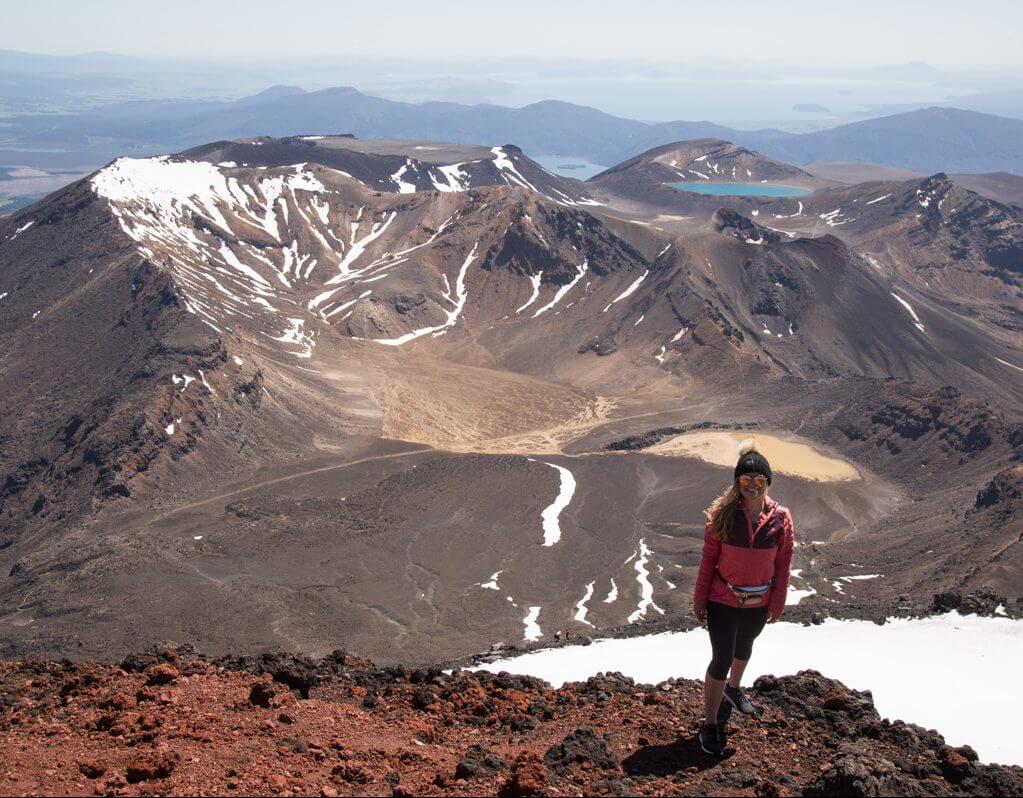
(754, 557)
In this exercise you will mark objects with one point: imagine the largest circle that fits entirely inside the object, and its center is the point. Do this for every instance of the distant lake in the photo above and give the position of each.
(741, 189)
(578, 167)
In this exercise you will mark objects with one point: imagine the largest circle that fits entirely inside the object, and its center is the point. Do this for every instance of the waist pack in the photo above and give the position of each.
(746, 594)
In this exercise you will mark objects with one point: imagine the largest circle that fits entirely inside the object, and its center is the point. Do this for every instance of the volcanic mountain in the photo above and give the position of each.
(707, 159)
(956, 246)
(423, 398)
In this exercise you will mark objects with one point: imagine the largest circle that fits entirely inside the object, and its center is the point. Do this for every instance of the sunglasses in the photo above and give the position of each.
(759, 480)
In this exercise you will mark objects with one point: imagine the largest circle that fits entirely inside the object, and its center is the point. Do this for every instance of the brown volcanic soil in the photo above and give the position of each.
(175, 724)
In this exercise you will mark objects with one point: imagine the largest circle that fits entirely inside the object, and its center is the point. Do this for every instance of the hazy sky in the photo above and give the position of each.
(867, 32)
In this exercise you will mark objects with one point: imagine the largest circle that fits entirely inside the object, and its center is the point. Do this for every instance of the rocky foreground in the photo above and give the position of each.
(175, 723)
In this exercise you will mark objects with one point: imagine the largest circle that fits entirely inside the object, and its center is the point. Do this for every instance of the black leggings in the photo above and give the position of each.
(732, 632)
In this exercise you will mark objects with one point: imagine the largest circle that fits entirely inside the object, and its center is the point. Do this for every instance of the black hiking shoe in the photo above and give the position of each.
(736, 698)
(712, 741)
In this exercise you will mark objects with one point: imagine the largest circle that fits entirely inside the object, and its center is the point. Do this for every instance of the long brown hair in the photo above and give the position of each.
(721, 513)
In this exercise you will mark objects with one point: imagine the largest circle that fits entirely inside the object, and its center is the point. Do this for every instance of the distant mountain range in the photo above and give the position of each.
(928, 140)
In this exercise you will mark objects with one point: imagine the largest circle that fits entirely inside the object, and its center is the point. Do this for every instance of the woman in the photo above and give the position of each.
(743, 578)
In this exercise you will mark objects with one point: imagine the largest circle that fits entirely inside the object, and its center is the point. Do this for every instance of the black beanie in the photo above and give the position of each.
(753, 462)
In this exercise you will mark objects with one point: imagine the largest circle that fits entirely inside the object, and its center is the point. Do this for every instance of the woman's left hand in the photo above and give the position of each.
(773, 616)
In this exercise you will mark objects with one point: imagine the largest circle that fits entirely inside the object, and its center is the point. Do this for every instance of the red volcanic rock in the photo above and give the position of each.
(529, 776)
(150, 765)
(600, 737)
(92, 768)
(164, 673)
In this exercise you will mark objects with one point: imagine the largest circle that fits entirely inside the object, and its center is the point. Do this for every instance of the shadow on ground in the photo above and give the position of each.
(667, 760)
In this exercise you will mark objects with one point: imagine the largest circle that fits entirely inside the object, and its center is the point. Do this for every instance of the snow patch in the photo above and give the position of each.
(532, 628)
(841, 650)
(646, 589)
(551, 513)
(559, 295)
(907, 306)
(296, 336)
(535, 280)
(628, 291)
(580, 607)
(397, 178)
(491, 584)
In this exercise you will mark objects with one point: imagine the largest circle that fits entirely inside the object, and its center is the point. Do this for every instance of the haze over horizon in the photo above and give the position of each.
(882, 33)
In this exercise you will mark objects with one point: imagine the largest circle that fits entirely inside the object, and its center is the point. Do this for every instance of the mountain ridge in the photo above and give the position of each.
(932, 139)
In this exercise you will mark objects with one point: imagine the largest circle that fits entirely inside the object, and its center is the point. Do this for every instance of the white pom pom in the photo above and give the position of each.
(748, 445)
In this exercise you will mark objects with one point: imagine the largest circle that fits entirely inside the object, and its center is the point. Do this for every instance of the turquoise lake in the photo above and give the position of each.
(741, 189)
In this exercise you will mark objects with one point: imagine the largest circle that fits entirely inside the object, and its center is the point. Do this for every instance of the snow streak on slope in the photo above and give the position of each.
(563, 290)
(535, 280)
(907, 306)
(507, 167)
(532, 630)
(628, 291)
(646, 589)
(356, 248)
(452, 315)
(551, 513)
(224, 236)
(454, 178)
(580, 607)
(1007, 363)
(396, 178)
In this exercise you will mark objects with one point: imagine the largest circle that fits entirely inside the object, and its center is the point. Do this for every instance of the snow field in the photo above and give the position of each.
(932, 672)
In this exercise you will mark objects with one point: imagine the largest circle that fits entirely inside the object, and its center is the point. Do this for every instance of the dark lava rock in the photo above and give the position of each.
(293, 670)
(423, 698)
(478, 762)
(643, 440)
(863, 776)
(405, 303)
(731, 223)
(602, 345)
(581, 746)
(946, 602)
(983, 601)
(135, 663)
(261, 694)
(737, 778)
(519, 723)
(954, 766)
